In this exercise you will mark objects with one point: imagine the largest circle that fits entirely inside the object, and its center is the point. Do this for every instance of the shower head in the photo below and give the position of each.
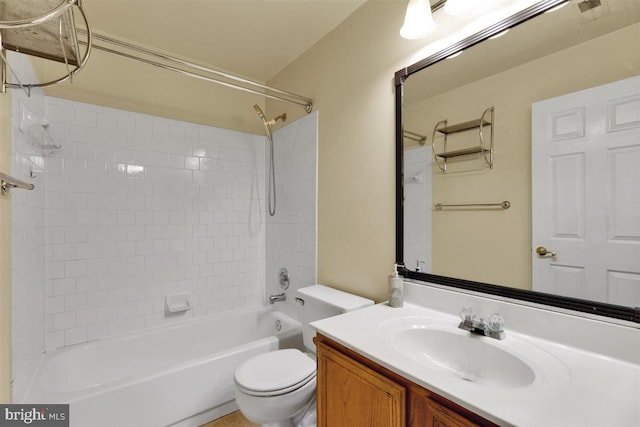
(273, 121)
(267, 125)
(260, 112)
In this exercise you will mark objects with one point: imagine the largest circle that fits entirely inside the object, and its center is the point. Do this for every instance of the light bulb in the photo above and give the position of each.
(418, 21)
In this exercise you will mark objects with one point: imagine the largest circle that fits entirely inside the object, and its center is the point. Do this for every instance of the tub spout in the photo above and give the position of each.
(277, 297)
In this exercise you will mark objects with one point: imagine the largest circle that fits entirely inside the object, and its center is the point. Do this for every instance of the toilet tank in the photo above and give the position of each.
(321, 302)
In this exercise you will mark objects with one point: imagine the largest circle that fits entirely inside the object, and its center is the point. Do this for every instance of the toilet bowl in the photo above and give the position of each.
(277, 389)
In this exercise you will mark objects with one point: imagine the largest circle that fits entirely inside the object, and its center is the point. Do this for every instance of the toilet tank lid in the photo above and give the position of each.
(341, 300)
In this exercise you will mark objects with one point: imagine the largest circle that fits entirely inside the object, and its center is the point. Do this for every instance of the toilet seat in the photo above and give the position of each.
(275, 373)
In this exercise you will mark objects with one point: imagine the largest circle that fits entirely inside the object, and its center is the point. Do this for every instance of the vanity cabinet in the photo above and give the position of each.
(427, 412)
(351, 394)
(353, 391)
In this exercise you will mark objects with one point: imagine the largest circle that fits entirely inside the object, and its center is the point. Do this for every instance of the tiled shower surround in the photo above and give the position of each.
(134, 208)
(140, 207)
(291, 233)
(27, 235)
(417, 208)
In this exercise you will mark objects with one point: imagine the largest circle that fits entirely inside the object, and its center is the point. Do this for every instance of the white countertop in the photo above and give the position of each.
(580, 388)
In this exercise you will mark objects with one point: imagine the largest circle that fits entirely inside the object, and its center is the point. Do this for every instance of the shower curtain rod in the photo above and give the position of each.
(235, 82)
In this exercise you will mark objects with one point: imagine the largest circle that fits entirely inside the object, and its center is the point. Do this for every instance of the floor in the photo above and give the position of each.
(235, 419)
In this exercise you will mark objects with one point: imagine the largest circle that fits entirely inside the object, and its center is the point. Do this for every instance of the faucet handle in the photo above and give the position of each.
(467, 314)
(495, 322)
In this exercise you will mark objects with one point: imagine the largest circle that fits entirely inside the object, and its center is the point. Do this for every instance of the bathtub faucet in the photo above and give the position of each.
(277, 297)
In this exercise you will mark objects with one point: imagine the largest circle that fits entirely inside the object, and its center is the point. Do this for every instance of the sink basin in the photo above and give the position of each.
(438, 345)
(468, 357)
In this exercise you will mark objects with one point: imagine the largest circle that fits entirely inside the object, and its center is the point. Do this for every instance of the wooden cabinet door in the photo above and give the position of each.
(352, 395)
(436, 415)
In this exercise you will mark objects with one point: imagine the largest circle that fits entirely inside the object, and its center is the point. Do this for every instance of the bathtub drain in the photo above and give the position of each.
(278, 325)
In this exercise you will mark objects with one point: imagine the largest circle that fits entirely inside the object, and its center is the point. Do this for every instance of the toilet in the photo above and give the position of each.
(277, 389)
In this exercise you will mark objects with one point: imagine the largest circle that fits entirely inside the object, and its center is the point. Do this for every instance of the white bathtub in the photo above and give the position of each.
(180, 375)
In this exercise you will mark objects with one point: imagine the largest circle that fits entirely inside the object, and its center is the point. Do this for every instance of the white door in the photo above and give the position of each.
(586, 193)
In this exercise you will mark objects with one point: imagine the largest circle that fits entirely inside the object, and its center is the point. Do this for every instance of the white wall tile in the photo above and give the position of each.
(65, 286)
(75, 268)
(63, 321)
(55, 305)
(129, 208)
(139, 207)
(55, 339)
(64, 252)
(97, 136)
(62, 114)
(75, 335)
(85, 151)
(54, 165)
(418, 207)
(291, 233)
(28, 261)
(76, 167)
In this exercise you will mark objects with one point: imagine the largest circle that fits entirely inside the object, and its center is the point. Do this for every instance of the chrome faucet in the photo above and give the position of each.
(493, 328)
(277, 297)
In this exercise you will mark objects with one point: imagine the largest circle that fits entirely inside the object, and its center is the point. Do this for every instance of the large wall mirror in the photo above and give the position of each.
(518, 159)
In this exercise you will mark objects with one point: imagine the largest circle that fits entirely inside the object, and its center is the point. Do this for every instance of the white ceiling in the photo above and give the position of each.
(252, 38)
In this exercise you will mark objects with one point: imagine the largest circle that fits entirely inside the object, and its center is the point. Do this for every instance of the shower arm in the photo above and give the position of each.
(273, 121)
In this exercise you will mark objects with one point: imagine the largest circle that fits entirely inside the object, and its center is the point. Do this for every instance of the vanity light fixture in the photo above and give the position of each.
(458, 7)
(418, 21)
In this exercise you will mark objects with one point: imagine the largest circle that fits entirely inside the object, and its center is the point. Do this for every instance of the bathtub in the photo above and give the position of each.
(180, 375)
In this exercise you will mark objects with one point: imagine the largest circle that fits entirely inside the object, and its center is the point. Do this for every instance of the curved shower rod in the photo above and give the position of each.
(66, 7)
(233, 81)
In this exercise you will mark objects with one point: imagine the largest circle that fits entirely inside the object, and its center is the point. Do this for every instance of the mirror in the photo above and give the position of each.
(528, 139)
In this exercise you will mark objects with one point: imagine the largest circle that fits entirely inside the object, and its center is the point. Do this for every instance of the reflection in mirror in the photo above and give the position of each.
(565, 88)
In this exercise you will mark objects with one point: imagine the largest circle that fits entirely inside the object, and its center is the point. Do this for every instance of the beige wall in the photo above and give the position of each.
(5, 255)
(495, 246)
(349, 75)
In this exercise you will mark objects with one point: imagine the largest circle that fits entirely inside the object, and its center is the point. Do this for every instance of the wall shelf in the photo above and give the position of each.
(458, 153)
(461, 127)
(483, 150)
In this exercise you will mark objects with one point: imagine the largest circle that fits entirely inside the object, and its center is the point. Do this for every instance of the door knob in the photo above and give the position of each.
(542, 251)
